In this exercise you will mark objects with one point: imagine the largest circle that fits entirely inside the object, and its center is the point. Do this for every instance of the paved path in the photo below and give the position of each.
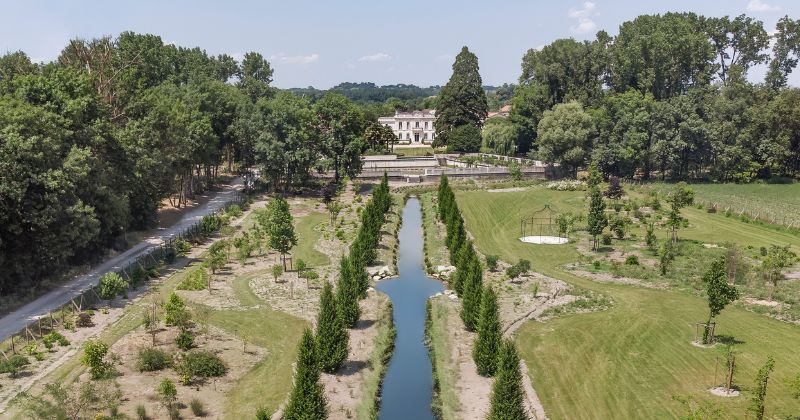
(16, 321)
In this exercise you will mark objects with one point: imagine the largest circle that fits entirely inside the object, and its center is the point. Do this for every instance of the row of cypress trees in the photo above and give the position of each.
(327, 351)
(467, 280)
(493, 356)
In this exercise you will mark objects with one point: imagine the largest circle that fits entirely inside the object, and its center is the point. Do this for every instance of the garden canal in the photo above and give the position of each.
(408, 385)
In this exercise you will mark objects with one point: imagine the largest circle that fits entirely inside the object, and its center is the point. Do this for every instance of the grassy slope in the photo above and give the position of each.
(628, 362)
(307, 236)
(776, 201)
(268, 383)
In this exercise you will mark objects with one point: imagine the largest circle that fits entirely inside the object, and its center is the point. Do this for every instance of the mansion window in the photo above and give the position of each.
(426, 125)
(417, 124)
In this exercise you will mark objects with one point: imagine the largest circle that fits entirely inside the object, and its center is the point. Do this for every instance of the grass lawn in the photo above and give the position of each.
(307, 236)
(773, 202)
(269, 382)
(629, 361)
(414, 151)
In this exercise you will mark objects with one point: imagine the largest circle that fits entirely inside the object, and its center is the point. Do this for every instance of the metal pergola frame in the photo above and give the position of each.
(540, 223)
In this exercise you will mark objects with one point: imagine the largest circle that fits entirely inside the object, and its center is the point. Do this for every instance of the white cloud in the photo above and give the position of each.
(761, 6)
(445, 58)
(583, 15)
(294, 59)
(376, 57)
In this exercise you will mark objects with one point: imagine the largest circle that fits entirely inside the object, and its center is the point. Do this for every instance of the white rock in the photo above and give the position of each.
(376, 277)
(370, 289)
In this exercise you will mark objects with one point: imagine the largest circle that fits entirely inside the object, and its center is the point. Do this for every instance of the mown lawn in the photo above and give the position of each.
(269, 382)
(628, 362)
(307, 236)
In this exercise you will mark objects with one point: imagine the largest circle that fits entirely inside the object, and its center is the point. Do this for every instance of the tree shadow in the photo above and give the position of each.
(728, 340)
(351, 367)
(363, 324)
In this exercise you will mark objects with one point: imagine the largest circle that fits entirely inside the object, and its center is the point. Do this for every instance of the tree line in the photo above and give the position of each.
(92, 143)
(493, 356)
(668, 97)
(327, 350)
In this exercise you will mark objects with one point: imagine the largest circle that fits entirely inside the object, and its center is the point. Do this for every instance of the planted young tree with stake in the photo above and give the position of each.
(760, 390)
(280, 228)
(332, 336)
(778, 258)
(680, 197)
(596, 220)
(719, 292)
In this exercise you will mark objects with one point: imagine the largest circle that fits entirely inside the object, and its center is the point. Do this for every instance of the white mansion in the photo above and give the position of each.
(412, 127)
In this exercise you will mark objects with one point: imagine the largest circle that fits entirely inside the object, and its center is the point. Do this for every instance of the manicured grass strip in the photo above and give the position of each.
(307, 236)
(270, 381)
(445, 401)
(629, 361)
(367, 408)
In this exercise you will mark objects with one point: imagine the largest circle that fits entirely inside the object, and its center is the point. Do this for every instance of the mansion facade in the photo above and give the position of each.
(414, 127)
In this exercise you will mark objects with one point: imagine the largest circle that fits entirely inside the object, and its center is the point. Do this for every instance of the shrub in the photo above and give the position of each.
(167, 393)
(521, 267)
(152, 359)
(197, 279)
(262, 414)
(300, 265)
(491, 262)
(84, 320)
(596, 264)
(94, 354)
(185, 340)
(182, 246)
(606, 239)
(197, 407)
(141, 412)
(234, 211)
(176, 312)
(763, 251)
(200, 364)
(13, 364)
(210, 224)
(111, 285)
(55, 337)
(632, 260)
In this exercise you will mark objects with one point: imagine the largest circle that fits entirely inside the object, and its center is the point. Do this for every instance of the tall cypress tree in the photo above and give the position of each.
(508, 396)
(307, 401)
(347, 294)
(332, 337)
(489, 335)
(471, 300)
(462, 101)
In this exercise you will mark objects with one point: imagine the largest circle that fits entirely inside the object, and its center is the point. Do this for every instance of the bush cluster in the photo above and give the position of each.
(152, 359)
(200, 364)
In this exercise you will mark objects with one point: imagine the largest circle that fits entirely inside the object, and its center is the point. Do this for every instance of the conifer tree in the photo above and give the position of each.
(347, 294)
(489, 338)
(471, 300)
(596, 219)
(508, 396)
(332, 337)
(307, 401)
(462, 101)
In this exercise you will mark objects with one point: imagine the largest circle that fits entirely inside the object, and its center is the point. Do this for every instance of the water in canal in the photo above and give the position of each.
(408, 385)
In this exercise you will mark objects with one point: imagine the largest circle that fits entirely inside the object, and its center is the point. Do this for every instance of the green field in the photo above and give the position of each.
(628, 362)
(778, 204)
(307, 236)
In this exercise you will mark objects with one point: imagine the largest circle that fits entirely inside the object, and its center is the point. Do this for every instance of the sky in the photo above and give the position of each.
(324, 43)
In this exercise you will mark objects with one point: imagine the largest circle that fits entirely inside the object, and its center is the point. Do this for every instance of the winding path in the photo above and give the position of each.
(16, 320)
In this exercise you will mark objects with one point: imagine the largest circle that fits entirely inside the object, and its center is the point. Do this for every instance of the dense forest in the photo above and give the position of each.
(668, 97)
(94, 142)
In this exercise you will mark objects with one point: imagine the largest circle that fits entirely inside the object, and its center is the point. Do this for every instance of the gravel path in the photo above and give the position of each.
(16, 321)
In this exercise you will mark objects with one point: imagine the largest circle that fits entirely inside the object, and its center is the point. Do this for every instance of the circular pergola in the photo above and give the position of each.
(541, 228)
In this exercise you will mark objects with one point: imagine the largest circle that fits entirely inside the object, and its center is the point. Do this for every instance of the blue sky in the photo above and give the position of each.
(323, 43)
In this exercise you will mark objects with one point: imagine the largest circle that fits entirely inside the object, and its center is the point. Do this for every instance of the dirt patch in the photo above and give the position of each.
(762, 302)
(139, 387)
(343, 389)
(502, 190)
(724, 392)
(610, 278)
